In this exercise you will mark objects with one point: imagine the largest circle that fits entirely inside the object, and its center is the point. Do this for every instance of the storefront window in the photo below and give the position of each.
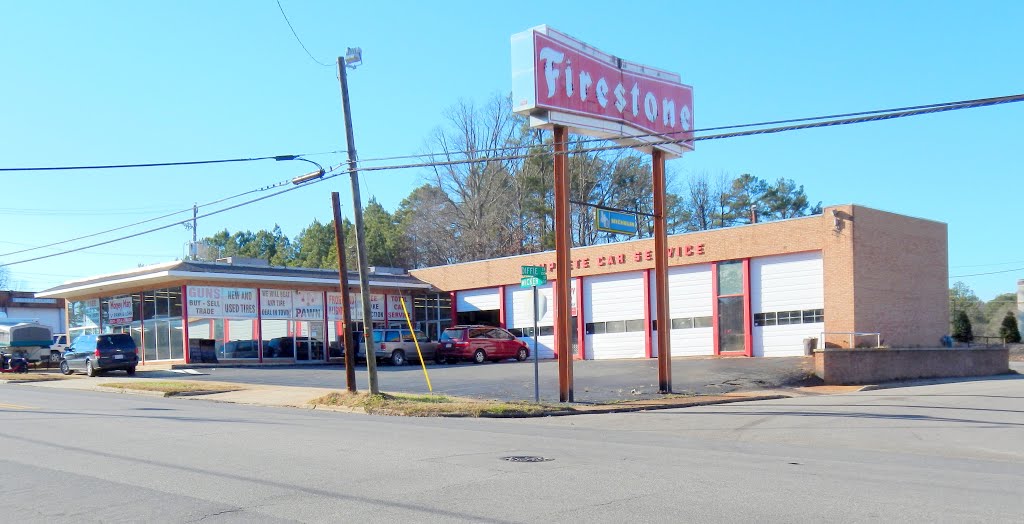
(83, 318)
(162, 324)
(222, 323)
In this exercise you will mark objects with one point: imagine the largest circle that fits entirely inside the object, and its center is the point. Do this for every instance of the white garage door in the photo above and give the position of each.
(787, 300)
(519, 316)
(689, 310)
(613, 311)
(478, 300)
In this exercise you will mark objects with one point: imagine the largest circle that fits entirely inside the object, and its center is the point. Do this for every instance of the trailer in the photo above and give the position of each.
(28, 339)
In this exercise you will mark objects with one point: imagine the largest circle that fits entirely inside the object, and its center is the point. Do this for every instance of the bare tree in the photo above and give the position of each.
(482, 193)
(699, 203)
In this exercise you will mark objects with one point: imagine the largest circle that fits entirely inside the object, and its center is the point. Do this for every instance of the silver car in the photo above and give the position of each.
(397, 346)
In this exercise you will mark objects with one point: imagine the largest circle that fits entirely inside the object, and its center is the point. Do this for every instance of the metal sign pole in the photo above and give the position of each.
(536, 355)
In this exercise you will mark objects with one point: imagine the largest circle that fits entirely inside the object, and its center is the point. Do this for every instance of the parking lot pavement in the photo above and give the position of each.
(594, 381)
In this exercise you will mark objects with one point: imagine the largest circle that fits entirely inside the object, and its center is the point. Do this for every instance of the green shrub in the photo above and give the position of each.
(962, 327)
(1009, 330)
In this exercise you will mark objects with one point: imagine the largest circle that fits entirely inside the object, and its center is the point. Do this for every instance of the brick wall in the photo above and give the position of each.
(901, 277)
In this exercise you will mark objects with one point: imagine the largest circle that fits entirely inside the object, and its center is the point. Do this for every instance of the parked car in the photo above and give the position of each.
(397, 346)
(480, 344)
(242, 349)
(299, 348)
(60, 343)
(97, 354)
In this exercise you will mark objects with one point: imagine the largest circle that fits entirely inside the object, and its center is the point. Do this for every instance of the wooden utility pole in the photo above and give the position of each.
(346, 315)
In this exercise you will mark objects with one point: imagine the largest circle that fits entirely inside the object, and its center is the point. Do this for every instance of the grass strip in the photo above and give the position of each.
(435, 405)
(175, 387)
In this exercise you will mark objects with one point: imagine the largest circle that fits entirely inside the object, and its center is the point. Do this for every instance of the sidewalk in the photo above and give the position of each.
(300, 397)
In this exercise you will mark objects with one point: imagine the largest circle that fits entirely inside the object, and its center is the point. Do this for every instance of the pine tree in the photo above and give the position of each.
(1009, 329)
(962, 327)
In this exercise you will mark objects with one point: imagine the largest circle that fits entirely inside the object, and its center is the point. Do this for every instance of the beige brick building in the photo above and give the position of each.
(759, 289)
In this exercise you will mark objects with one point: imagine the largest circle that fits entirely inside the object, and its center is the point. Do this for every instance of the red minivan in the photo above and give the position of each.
(480, 344)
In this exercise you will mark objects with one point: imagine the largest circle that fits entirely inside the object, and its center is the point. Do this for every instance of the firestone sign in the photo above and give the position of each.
(557, 79)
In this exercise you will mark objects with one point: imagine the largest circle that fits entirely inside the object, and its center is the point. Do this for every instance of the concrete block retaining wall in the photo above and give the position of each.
(872, 366)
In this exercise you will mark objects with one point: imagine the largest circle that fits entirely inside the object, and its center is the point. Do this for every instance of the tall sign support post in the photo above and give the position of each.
(353, 57)
(661, 273)
(562, 83)
(563, 244)
(346, 314)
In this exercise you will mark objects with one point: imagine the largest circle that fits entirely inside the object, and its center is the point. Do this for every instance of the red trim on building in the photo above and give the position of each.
(581, 331)
(748, 329)
(648, 331)
(714, 308)
(259, 323)
(501, 308)
(327, 330)
(455, 308)
(184, 322)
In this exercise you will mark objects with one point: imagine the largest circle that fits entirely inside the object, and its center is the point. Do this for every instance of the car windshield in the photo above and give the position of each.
(452, 334)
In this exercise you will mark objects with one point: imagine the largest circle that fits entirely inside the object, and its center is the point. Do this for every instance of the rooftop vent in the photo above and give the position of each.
(242, 261)
(381, 270)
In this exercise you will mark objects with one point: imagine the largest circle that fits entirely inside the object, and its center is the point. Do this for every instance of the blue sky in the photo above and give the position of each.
(132, 82)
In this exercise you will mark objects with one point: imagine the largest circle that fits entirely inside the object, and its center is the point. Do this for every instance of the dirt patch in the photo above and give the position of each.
(174, 387)
(434, 406)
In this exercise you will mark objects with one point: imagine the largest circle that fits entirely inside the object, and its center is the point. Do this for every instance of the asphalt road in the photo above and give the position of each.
(594, 381)
(940, 453)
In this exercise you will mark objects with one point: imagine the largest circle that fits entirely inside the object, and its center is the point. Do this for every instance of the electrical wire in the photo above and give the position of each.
(297, 39)
(185, 210)
(989, 273)
(166, 226)
(874, 116)
(702, 130)
(158, 164)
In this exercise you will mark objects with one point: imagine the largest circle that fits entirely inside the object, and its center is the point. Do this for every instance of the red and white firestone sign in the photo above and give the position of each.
(558, 80)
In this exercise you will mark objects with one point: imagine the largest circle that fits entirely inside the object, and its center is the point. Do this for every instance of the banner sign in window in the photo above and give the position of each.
(92, 313)
(308, 305)
(239, 302)
(276, 304)
(334, 306)
(395, 306)
(376, 307)
(119, 310)
(221, 302)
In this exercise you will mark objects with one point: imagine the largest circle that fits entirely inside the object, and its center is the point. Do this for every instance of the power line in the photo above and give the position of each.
(157, 164)
(185, 210)
(297, 39)
(874, 116)
(166, 226)
(945, 105)
(989, 273)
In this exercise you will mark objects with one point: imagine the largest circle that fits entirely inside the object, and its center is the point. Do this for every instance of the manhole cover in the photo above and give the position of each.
(526, 458)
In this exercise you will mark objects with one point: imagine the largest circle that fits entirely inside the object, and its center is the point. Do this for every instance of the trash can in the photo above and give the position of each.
(810, 344)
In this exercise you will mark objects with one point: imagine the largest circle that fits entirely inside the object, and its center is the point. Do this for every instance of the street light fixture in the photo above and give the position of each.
(313, 175)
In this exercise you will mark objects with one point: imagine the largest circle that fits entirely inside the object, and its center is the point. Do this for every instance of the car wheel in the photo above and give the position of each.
(54, 357)
(522, 354)
(130, 371)
(65, 368)
(479, 357)
(89, 370)
(398, 358)
(438, 358)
